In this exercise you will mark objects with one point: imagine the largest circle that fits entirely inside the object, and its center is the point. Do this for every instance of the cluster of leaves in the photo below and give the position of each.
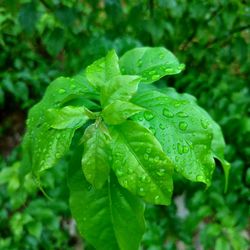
(132, 138)
(209, 37)
(28, 218)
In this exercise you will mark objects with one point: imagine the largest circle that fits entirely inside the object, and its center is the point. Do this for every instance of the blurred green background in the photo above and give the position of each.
(40, 40)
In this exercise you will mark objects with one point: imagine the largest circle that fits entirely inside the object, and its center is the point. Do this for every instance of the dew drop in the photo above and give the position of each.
(157, 198)
(199, 178)
(204, 124)
(72, 86)
(181, 66)
(183, 126)
(140, 118)
(148, 150)
(157, 159)
(125, 183)
(179, 148)
(142, 191)
(58, 155)
(152, 130)
(161, 172)
(162, 126)
(119, 173)
(61, 91)
(146, 157)
(182, 114)
(152, 72)
(167, 113)
(161, 56)
(169, 71)
(148, 116)
(185, 149)
(130, 171)
(139, 63)
(155, 77)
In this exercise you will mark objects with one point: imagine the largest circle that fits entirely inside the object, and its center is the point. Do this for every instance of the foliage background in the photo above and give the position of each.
(40, 40)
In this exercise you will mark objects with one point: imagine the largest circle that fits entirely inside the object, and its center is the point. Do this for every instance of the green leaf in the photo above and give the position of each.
(109, 213)
(63, 89)
(67, 117)
(54, 41)
(96, 156)
(102, 70)
(140, 164)
(119, 111)
(150, 63)
(28, 16)
(120, 88)
(43, 146)
(184, 131)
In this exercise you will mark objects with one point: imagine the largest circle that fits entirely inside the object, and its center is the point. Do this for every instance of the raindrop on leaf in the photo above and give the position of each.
(183, 126)
(167, 113)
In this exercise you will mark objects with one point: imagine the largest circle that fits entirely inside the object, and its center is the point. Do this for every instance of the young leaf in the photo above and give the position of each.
(44, 146)
(65, 88)
(96, 156)
(140, 164)
(67, 117)
(120, 88)
(119, 111)
(102, 70)
(105, 216)
(150, 63)
(183, 131)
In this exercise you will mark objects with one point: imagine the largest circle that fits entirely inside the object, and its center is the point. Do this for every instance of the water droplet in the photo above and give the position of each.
(142, 191)
(146, 156)
(185, 149)
(139, 63)
(155, 77)
(148, 150)
(177, 104)
(182, 149)
(169, 71)
(125, 183)
(144, 79)
(200, 178)
(152, 130)
(157, 198)
(130, 171)
(123, 69)
(183, 126)
(204, 124)
(157, 159)
(167, 113)
(161, 56)
(61, 91)
(140, 118)
(58, 155)
(161, 172)
(162, 126)
(152, 72)
(119, 173)
(181, 66)
(72, 86)
(148, 115)
(182, 114)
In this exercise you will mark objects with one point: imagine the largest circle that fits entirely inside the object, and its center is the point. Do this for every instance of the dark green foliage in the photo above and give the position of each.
(210, 37)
